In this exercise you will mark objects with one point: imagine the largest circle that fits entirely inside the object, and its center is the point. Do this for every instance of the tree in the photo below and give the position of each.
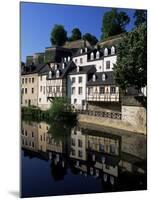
(58, 35)
(90, 38)
(114, 23)
(131, 66)
(140, 17)
(76, 35)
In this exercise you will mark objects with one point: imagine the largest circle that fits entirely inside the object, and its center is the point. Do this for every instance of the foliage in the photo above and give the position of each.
(90, 38)
(140, 17)
(131, 66)
(58, 35)
(114, 23)
(76, 35)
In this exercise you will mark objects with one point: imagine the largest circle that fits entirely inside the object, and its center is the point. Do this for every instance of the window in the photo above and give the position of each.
(73, 152)
(50, 88)
(81, 60)
(22, 131)
(80, 143)
(22, 80)
(80, 153)
(78, 68)
(41, 137)
(25, 90)
(57, 73)
(112, 50)
(75, 60)
(73, 142)
(32, 80)
(57, 89)
(63, 65)
(97, 55)
(50, 74)
(113, 90)
(101, 90)
(25, 132)
(112, 148)
(80, 79)
(105, 52)
(32, 134)
(33, 144)
(39, 126)
(108, 64)
(29, 80)
(22, 90)
(25, 80)
(32, 90)
(101, 147)
(94, 77)
(68, 58)
(73, 80)
(39, 99)
(80, 90)
(73, 90)
(103, 77)
(25, 101)
(90, 90)
(92, 56)
(75, 101)
(41, 78)
(40, 88)
(44, 90)
(81, 51)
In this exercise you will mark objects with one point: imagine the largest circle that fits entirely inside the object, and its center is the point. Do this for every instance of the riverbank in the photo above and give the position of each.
(111, 123)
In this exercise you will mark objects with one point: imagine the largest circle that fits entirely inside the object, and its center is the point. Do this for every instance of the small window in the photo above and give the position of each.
(41, 78)
(101, 90)
(112, 50)
(57, 73)
(32, 90)
(32, 80)
(103, 77)
(25, 90)
(80, 143)
(44, 90)
(29, 80)
(75, 60)
(80, 153)
(113, 90)
(73, 90)
(73, 80)
(32, 134)
(33, 144)
(78, 68)
(108, 64)
(25, 80)
(81, 60)
(73, 142)
(90, 90)
(75, 101)
(94, 77)
(81, 51)
(80, 90)
(22, 90)
(101, 147)
(50, 74)
(105, 52)
(39, 99)
(97, 55)
(22, 80)
(73, 152)
(63, 65)
(25, 132)
(65, 59)
(80, 79)
(40, 88)
(92, 56)
(57, 89)
(50, 89)
(68, 58)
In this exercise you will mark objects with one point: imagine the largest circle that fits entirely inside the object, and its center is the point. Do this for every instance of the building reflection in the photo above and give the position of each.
(85, 152)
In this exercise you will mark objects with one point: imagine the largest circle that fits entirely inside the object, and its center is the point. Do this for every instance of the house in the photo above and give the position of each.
(77, 80)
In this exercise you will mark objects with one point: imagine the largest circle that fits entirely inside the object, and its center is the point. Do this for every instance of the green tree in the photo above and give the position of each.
(140, 17)
(114, 23)
(58, 35)
(131, 66)
(90, 38)
(76, 35)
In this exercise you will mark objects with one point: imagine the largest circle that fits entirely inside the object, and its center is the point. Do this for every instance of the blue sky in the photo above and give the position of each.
(38, 19)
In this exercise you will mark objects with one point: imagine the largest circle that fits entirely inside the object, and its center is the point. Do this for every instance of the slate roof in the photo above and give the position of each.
(84, 70)
(44, 70)
(32, 69)
(109, 80)
(63, 72)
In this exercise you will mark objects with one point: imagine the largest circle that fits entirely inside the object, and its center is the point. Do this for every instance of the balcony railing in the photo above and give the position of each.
(112, 115)
(103, 97)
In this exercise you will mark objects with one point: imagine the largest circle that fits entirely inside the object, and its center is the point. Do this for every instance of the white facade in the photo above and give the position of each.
(77, 90)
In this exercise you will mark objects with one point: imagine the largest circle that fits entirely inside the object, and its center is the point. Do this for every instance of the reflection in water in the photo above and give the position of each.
(60, 159)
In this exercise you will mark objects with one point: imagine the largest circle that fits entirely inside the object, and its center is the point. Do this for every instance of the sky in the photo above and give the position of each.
(37, 21)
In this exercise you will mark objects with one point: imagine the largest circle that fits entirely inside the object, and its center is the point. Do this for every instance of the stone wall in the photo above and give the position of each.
(106, 107)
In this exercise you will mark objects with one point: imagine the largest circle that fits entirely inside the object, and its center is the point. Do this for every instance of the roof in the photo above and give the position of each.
(84, 70)
(109, 80)
(44, 70)
(63, 72)
(32, 69)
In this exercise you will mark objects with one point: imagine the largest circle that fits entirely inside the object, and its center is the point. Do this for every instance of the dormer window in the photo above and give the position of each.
(112, 50)
(105, 52)
(92, 56)
(68, 58)
(78, 68)
(50, 74)
(86, 49)
(97, 55)
(94, 77)
(103, 77)
(55, 66)
(65, 59)
(63, 65)
(57, 73)
(81, 51)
